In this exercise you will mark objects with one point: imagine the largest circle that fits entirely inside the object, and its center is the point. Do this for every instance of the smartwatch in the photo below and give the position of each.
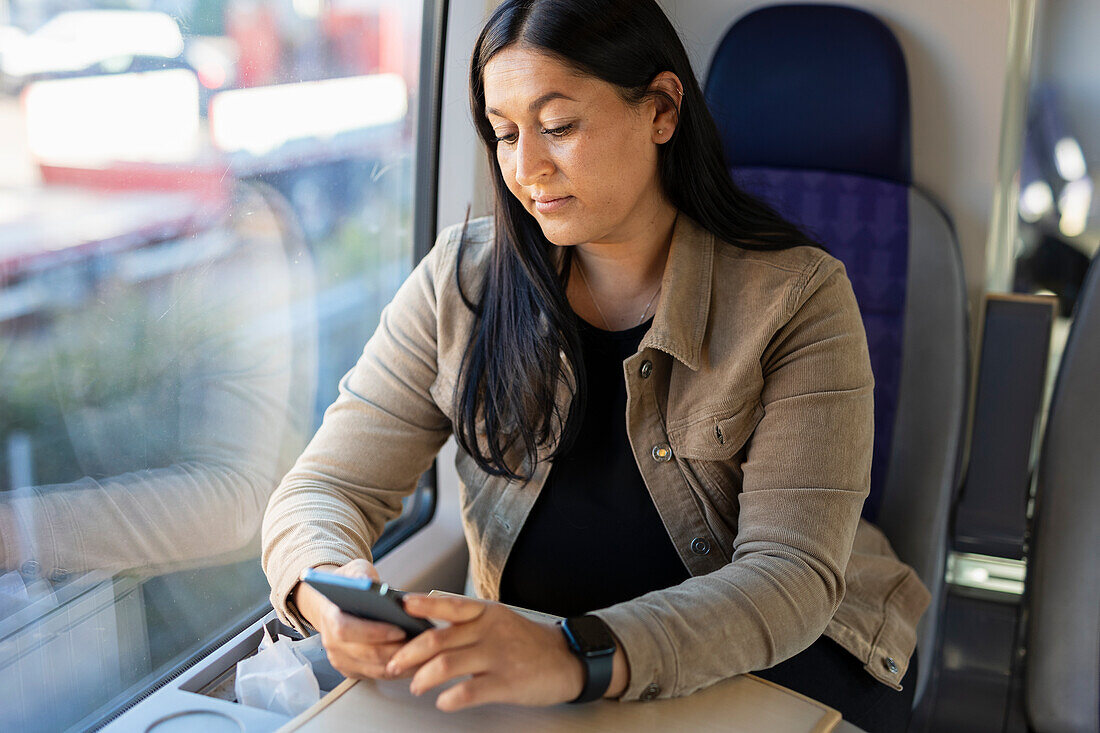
(589, 638)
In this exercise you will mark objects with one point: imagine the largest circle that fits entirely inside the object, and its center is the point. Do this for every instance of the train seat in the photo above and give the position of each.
(812, 104)
(1062, 687)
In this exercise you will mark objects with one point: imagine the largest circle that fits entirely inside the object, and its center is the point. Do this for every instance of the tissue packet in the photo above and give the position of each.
(277, 678)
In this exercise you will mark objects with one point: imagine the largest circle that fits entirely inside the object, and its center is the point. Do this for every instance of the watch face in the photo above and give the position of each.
(590, 636)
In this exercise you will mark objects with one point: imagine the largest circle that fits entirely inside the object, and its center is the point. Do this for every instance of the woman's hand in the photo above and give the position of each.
(356, 647)
(511, 658)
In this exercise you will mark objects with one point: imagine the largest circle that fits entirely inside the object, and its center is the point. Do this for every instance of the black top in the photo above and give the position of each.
(593, 537)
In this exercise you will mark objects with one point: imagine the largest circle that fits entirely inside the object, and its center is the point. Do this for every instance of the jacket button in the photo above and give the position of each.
(30, 569)
(59, 575)
(651, 691)
(662, 453)
(700, 546)
(891, 665)
(646, 369)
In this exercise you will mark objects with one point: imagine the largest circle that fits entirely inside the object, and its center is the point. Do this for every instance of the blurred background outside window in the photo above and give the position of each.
(1059, 209)
(204, 205)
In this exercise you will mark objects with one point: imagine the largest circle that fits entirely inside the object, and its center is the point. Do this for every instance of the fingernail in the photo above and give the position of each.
(391, 669)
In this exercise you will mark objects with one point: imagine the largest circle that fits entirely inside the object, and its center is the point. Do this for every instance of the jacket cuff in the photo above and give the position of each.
(650, 654)
(38, 533)
(286, 577)
(892, 648)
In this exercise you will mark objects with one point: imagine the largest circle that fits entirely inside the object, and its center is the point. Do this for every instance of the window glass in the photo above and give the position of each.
(1058, 205)
(204, 205)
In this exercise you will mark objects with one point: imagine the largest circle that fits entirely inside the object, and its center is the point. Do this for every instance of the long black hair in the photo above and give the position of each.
(525, 346)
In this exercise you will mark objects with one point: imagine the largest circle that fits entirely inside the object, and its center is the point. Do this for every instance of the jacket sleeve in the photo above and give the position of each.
(376, 439)
(806, 475)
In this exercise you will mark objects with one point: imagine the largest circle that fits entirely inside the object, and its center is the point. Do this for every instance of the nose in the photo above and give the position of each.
(532, 161)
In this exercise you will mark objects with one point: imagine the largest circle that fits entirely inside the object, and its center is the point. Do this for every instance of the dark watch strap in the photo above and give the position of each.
(596, 654)
(597, 677)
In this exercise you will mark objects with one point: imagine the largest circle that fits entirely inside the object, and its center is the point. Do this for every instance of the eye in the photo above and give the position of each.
(558, 131)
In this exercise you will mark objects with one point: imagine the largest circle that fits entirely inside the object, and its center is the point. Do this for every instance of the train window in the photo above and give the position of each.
(203, 208)
(1059, 210)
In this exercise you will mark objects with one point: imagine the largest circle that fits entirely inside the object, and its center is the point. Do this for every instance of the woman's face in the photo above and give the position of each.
(581, 160)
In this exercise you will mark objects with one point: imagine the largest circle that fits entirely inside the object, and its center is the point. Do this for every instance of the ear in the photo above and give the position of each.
(666, 113)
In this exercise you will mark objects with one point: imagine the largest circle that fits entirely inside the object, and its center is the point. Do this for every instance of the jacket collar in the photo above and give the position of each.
(681, 318)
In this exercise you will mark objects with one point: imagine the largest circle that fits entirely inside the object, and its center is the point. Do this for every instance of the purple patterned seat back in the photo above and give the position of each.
(863, 222)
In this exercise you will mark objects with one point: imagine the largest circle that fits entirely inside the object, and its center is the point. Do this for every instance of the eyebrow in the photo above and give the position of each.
(536, 105)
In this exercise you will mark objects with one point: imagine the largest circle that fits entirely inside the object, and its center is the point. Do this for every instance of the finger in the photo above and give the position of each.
(446, 608)
(430, 643)
(346, 628)
(481, 689)
(447, 666)
(373, 654)
(360, 661)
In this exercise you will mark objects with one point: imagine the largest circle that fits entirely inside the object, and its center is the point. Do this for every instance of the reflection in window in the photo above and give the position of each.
(203, 208)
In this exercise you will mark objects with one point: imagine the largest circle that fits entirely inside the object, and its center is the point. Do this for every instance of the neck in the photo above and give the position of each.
(623, 274)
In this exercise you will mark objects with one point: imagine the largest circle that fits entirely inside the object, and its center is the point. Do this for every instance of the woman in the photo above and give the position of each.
(623, 274)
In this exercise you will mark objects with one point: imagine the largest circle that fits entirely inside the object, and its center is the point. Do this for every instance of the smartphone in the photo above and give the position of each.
(367, 599)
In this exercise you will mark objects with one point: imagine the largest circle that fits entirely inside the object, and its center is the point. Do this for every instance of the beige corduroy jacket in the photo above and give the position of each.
(749, 410)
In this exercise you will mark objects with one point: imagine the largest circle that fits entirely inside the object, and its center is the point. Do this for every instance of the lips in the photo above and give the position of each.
(545, 204)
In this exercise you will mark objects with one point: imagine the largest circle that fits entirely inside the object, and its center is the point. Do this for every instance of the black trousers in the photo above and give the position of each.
(829, 674)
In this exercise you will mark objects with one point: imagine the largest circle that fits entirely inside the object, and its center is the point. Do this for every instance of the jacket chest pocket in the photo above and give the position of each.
(710, 452)
(718, 436)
